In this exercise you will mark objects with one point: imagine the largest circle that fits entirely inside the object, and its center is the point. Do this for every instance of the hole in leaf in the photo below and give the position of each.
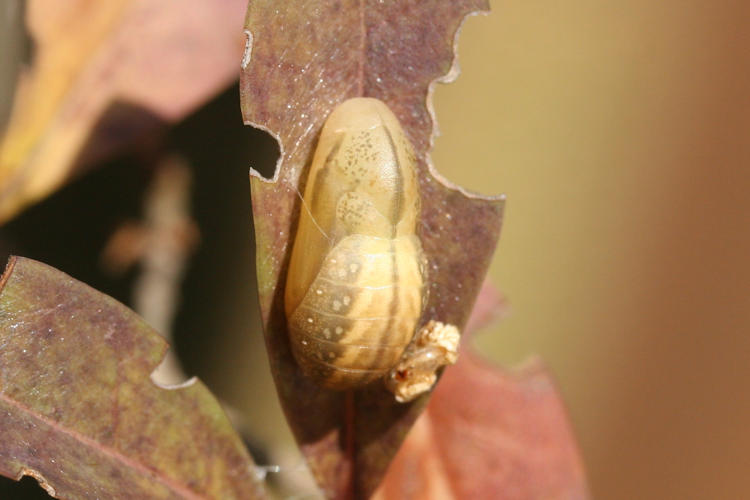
(216, 138)
(267, 150)
(26, 489)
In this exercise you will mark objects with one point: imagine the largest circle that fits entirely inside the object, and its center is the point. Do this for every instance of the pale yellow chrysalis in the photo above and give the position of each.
(354, 290)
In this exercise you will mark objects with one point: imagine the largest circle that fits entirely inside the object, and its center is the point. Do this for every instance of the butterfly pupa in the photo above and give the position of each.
(354, 289)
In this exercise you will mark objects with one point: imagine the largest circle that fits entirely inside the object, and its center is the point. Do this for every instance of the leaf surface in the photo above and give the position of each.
(489, 433)
(105, 74)
(302, 59)
(79, 412)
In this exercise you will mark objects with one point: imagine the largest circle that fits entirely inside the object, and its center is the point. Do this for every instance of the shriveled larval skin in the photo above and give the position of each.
(355, 283)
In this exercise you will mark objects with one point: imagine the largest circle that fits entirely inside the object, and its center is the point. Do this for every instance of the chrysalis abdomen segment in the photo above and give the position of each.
(360, 312)
(354, 286)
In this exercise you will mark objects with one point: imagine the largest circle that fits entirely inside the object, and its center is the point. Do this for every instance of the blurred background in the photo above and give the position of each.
(621, 136)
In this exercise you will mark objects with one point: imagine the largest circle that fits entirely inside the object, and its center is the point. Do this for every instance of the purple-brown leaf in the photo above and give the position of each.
(302, 59)
(79, 412)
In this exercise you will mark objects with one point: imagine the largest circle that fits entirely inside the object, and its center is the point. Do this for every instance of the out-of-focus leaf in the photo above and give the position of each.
(105, 74)
(491, 306)
(79, 412)
(489, 433)
(13, 49)
(302, 59)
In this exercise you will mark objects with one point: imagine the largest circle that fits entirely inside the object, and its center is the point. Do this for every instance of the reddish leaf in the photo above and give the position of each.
(105, 74)
(490, 306)
(489, 433)
(303, 58)
(79, 412)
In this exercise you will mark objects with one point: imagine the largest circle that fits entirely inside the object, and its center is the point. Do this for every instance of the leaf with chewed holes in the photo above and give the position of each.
(301, 60)
(79, 412)
(489, 433)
